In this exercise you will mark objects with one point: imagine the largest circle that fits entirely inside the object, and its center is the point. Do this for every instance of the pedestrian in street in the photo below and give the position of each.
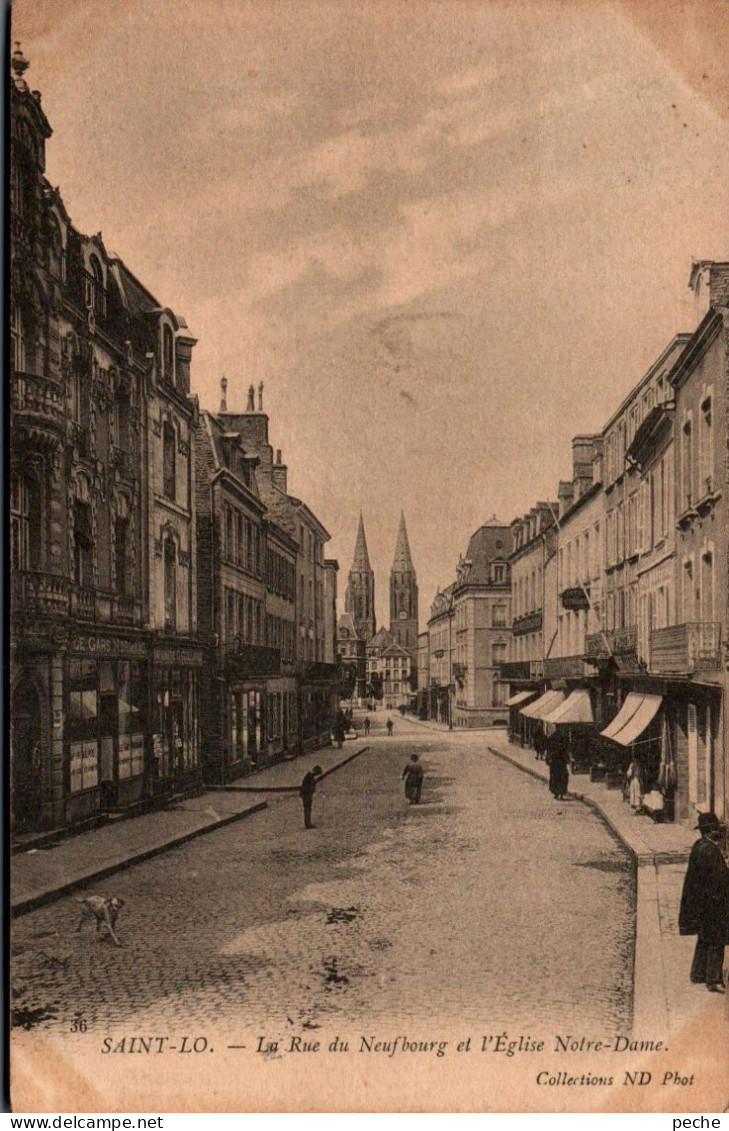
(634, 778)
(307, 791)
(557, 759)
(388, 724)
(339, 729)
(540, 743)
(704, 910)
(413, 775)
(366, 726)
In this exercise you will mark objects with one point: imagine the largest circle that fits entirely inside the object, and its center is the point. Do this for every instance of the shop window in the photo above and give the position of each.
(170, 571)
(82, 725)
(169, 458)
(130, 703)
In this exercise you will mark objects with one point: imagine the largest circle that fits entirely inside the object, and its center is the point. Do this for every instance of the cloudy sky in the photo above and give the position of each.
(446, 236)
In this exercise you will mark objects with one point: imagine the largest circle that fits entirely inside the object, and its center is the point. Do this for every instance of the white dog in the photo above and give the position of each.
(104, 911)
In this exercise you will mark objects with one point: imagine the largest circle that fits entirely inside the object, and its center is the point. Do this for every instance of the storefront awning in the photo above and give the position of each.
(576, 708)
(520, 697)
(543, 705)
(633, 717)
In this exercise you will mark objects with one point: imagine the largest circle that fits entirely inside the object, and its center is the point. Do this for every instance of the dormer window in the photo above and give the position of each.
(168, 354)
(95, 293)
(499, 574)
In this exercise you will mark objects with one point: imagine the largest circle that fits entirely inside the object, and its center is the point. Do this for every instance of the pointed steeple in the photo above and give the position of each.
(403, 562)
(361, 560)
(359, 600)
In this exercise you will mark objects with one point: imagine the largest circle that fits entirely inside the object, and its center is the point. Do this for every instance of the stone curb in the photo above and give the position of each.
(284, 788)
(50, 895)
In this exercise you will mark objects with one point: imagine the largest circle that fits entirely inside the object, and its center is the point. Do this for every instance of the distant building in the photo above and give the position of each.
(441, 638)
(393, 666)
(482, 627)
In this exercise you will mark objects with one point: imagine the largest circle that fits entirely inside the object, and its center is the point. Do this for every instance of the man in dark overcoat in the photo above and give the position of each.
(704, 908)
(306, 793)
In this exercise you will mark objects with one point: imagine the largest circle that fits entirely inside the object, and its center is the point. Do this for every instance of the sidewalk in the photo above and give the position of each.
(663, 998)
(42, 875)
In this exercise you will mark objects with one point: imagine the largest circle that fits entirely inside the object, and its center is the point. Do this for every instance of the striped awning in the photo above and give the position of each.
(576, 708)
(520, 697)
(633, 717)
(546, 703)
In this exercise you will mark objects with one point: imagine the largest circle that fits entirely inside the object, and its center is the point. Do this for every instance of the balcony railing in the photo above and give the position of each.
(38, 396)
(681, 649)
(529, 622)
(515, 670)
(318, 670)
(251, 660)
(564, 667)
(620, 641)
(37, 593)
(83, 602)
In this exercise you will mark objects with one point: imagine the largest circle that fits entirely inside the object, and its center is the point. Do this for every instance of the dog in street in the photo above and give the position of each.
(104, 911)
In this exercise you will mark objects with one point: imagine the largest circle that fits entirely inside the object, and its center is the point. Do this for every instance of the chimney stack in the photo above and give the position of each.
(223, 389)
(279, 473)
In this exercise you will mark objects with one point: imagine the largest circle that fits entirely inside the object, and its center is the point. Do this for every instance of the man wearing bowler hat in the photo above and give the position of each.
(705, 904)
(306, 793)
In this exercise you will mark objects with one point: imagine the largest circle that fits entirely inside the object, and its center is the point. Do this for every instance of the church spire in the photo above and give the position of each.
(361, 560)
(403, 562)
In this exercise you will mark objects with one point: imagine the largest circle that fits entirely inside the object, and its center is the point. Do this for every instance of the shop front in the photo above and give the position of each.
(175, 719)
(574, 720)
(517, 722)
(318, 703)
(105, 714)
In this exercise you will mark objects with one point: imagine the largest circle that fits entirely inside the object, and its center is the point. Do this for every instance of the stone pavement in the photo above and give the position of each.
(42, 875)
(664, 1000)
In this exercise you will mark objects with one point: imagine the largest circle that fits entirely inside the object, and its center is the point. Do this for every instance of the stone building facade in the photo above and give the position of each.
(104, 656)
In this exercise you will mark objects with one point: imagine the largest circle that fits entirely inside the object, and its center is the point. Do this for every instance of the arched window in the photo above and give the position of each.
(169, 455)
(17, 339)
(168, 354)
(170, 567)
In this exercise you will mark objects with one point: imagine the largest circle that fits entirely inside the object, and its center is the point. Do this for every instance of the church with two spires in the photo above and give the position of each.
(384, 660)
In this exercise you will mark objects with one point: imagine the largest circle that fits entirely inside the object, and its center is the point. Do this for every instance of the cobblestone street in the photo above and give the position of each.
(488, 902)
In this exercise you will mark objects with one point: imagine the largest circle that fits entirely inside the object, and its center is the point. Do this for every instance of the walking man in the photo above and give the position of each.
(367, 725)
(705, 904)
(307, 791)
(388, 724)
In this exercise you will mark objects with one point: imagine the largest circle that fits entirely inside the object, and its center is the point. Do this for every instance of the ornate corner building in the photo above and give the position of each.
(104, 659)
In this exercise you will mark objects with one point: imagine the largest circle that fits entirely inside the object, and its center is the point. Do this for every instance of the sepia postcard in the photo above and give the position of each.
(368, 503)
